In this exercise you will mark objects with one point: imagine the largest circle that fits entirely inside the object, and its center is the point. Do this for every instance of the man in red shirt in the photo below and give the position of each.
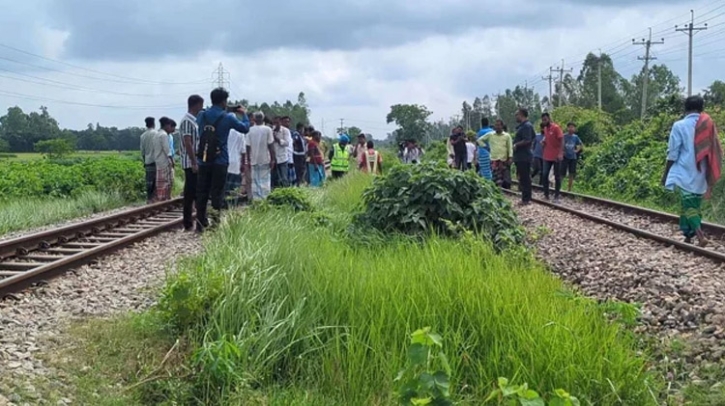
(553, 143)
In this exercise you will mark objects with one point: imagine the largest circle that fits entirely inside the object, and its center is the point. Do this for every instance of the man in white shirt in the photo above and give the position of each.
(237, 148)
(164, 164)
(282, 142)
(261, 154)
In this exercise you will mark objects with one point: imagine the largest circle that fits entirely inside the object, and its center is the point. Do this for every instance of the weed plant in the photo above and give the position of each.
(278, 300)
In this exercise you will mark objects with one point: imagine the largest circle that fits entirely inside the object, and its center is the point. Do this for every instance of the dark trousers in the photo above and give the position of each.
(300, 169)
(210, 184)
(337, 174)
(523, 171)
(190, 183)
(150, 182)
(548, 166)
(536, 169)
(460, 161)
(280, 175)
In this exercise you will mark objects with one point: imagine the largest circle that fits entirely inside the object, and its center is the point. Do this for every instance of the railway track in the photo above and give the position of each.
(646, 223)
(35, 258)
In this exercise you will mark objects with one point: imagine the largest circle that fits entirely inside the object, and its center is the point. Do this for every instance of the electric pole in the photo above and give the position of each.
(549, 78)
(599, 79)
(342, 125)
(221, 77)
(495, 106)
(647, 45)
(690, 30)
(561, 72)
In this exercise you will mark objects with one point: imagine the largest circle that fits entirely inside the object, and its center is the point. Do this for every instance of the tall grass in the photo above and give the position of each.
(28, 213)
(278, 300)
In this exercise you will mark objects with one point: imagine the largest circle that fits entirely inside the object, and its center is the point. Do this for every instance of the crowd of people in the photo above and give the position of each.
(224, 154)
(492, 152)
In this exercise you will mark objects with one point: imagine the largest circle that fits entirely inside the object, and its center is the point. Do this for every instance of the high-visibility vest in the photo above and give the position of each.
(340, 160)
(372, 162)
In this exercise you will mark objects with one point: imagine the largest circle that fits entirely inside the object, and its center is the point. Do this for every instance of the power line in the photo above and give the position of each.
(561, 72)
(691, 30)
(46, 99)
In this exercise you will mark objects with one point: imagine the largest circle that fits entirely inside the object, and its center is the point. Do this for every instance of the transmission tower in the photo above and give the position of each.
(221, 77)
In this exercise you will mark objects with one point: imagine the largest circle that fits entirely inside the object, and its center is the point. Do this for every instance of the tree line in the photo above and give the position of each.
(621, 98)
(28, 132)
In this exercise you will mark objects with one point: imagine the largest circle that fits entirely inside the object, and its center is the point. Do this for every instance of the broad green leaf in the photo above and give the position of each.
(421, 401)
(427, 381)
(529, 394)
(561, 393)
(435, 339)
(503, 382)
(419, 336)
(558, 402)
(574, 401)
(400, 375)
(532, 402)
(442, 382)
(418, 354)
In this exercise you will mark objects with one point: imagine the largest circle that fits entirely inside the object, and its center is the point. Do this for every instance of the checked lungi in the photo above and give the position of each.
(150, 182)
(163, 183)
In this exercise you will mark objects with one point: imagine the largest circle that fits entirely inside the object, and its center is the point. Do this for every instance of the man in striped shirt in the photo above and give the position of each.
(190, 139)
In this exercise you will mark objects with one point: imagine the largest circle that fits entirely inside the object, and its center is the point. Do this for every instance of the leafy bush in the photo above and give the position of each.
(71, 177)
(593, 126)
(296, 198)
(414, 199)
(54, 148)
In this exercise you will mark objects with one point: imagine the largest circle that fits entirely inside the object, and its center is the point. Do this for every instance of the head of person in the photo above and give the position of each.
(546, 119)
(219, 97)
(286, 121)
(195, 104)
(258, 117)
(498, 126)
(344, 139)
(167, 124)
(694, 104)
(458, 130)
(300, 128)
(370, 144)
(310, 129)
(542, 127)
(316, 135)
(522, 115)
(361, 138)
(571, 128)
(276, 121)
(484, 122)
(150, 122)
(267, 121)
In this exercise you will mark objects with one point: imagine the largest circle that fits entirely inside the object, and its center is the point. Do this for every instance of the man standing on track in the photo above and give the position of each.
(260, 157)
(553, 143)
(501, 154)
(572, 148)
(164, 162)
(189, 139)
(148, 155)
(299, 150)
(484, 150)
(339, 157)
(522, 153)
(213, 171)
(282, 140)
(694, 159)
(538, 150)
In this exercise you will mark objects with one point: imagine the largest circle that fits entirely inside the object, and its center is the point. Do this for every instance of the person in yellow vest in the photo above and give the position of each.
(339, 156)
(371, 160)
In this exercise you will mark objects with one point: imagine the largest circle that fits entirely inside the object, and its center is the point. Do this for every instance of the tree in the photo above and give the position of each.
(613, 101)
(466, 111)
(55, 148)
(662, 83)
(411, 120)
(715, 94)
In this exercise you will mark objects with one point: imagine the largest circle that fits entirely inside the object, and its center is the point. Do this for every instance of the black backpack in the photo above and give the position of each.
(209, 142)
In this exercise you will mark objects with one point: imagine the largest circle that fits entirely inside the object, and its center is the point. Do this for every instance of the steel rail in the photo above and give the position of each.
(636, 231)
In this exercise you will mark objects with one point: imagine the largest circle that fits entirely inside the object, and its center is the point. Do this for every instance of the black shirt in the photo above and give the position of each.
(524, 132)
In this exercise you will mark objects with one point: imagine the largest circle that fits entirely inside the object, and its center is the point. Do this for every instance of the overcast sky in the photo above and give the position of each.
(115, 62)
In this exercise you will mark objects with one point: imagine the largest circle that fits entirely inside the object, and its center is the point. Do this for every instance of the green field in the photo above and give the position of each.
(34, 156)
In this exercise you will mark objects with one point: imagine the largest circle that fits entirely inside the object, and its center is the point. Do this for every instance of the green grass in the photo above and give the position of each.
(332, 318)
(22, 214)
(33, 156)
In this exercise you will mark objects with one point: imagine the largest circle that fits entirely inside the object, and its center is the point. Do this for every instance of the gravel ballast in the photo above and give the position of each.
(682, 295)
(125, 281)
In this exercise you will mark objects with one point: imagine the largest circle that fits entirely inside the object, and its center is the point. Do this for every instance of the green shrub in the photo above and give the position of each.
(593, 126)
(415, 199)
(295, 198)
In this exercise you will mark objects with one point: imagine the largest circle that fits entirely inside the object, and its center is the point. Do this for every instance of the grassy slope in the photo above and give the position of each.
(327, 322)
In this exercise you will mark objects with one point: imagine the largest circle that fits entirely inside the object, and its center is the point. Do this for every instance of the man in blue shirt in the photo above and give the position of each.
(572, 148)
(682, 175)
(484, 155)
(538, 151)
(212, 176)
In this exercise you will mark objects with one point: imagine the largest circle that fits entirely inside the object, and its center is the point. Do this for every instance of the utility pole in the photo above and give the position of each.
(550, 79)
(647, 44)
(690, 30)
(599, 79)
(561, 72)
(342, 125)
(495, 106)
(221, 77)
